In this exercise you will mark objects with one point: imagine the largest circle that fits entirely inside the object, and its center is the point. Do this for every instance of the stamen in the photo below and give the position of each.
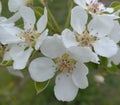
(85, 39)
(65, 63)
(30, 37)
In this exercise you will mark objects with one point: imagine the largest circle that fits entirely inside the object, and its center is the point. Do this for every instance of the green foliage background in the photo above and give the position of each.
(17, 91)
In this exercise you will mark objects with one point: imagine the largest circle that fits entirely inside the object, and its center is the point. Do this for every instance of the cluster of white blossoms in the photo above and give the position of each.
(94, 33)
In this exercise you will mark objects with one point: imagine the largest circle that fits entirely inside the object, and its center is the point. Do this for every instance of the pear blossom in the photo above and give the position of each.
(69, 63)
(94, 35)
(30, 39)
(93, 6)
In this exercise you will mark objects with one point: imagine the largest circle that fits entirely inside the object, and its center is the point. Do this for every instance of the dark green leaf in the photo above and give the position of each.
(40, 86)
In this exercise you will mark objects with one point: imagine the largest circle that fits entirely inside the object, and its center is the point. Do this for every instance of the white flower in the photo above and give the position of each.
(29, 37)
(93, 36)
(68, 62)
(93, 6)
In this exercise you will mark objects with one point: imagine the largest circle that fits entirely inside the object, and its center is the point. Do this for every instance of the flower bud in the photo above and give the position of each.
(99, 79)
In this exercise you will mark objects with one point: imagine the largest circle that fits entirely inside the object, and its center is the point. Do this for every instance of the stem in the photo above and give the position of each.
(70, 4)
(54, 20)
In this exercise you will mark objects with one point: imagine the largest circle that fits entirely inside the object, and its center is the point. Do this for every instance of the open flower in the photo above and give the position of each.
(93, 36)
(30, 38)
(93, 6)
(69, 63)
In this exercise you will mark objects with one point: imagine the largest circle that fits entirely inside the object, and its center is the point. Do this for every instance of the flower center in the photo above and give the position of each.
(93, 7)
(85, 39)
(30, 37)
(65, 63)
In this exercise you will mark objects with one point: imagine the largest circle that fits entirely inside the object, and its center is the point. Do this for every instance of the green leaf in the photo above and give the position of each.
(115, 5)
(40, 86)
(7, 63)
(104, 61)
(113, 68)
(38, 12)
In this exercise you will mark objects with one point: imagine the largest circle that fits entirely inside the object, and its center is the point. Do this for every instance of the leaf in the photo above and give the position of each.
(104, 61)
(7, 63)
(38, 12)
(113, 68)
(115, 5)
(40, 86)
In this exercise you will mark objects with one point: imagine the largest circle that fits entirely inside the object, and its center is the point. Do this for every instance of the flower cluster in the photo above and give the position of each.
(94, 33)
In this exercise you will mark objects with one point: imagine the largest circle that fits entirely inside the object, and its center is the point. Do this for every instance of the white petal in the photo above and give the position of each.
(68, 38)
(21, 63)
(105, 47)
(13, 18)
(116, 58)
(14, 5)
(42, 22)
(93, 1)
(64, 89)
(78, 19)
(42, 69)
(115, 33)
(29, 17)
(53, 47)
(109, 10)
(81, 3)
(15, 72)
(100, 26)
(7, 56)
(79, 76)
(15, 49)
(82, 54)
(8, 35)
(41, 39)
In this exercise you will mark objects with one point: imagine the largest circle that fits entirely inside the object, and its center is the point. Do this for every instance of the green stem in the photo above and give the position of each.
(70, 4)
(54, 20)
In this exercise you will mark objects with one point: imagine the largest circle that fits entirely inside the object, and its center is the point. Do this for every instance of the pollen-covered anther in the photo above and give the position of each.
(94, 8)
(65, 63)
(29, 37)
(85, 39)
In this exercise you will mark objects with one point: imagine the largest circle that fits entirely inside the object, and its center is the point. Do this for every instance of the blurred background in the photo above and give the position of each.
(21, 91)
